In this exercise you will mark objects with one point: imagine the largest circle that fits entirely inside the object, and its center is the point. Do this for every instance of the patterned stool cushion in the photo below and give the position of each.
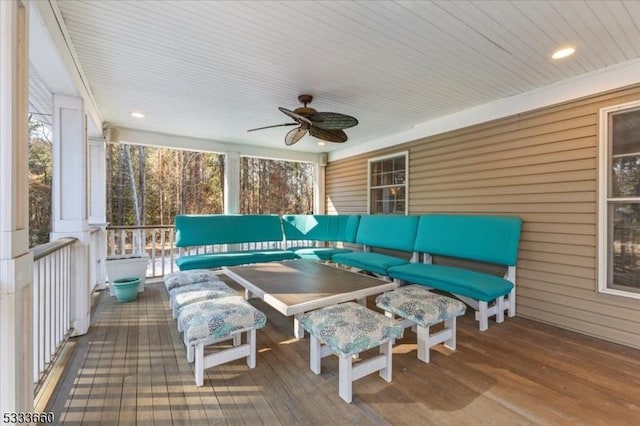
(180, 278)
(192, 293)
(350, 328)
(218, 318)
(419, 305)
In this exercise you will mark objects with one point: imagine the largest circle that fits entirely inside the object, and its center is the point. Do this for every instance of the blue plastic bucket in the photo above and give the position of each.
(126, 289)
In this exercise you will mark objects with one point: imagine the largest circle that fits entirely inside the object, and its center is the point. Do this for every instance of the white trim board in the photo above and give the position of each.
(614, 77)
(164, 140)
(54, 60)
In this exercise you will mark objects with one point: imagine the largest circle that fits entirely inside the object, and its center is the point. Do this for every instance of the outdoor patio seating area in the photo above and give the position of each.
(130, 368)
(486, 151)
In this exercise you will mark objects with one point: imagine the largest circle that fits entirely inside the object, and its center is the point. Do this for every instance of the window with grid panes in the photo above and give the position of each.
(619, 210)
(388, 184)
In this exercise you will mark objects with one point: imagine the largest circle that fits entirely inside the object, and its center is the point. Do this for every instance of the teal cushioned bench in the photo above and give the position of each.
(204, 230)
(232, 258)
(385, 232)
(476, 285)
(308, 233)
(488, 239)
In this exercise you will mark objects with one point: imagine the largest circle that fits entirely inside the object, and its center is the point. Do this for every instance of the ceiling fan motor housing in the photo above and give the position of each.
(305, 112)
(305, 99)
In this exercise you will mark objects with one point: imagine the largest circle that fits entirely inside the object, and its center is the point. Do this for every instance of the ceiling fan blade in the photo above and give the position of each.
(330, 135)
(299, 118)
(275, 125)
(333, 120)
(294, 135)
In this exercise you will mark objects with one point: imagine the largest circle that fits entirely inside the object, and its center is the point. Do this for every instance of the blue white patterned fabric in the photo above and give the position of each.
(192, 293)
(180, 278)
(419, 305)
(350, 328)
(218, 318)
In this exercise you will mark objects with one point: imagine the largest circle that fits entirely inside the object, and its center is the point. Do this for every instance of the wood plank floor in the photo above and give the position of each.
(131, 369)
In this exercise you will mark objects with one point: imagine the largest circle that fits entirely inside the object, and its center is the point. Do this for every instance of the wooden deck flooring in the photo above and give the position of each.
(131, 369)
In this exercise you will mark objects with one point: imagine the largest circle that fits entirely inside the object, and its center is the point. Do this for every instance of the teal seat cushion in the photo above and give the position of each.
(320, 227)
(477, 285)
(372, 262)
(388, 231)
(318, 253)
(197, 230)
(492, 239)
(218, 260)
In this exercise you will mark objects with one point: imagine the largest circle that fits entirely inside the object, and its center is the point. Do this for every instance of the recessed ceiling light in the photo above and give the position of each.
(137, 114)
(563, 52)
(321, 143)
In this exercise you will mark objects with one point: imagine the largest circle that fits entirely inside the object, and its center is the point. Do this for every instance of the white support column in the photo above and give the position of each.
(97, 181)
(319, 197)
(98, 206)
(70, 199)
(232, 183)
(16, 262)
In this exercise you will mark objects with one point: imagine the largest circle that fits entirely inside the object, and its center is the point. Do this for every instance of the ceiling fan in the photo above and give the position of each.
(327, 126)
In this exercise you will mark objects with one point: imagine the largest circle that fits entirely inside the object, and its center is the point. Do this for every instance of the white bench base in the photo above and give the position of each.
(421, 309)
(217, 320)
(427, 340)
(347, 372)
(239, 350)
(347, 330)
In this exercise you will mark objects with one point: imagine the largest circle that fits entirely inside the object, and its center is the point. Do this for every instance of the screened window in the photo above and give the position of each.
(388, 187)
(619, 245)
(275, 186)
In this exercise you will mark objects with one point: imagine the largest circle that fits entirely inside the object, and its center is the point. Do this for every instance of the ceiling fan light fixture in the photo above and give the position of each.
(563, 52)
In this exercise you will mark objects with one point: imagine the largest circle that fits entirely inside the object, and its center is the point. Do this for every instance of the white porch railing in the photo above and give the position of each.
(159, 244)
(157, 241)
(51, 301)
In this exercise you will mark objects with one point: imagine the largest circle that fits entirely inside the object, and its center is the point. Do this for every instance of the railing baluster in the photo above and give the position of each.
(171, 250)
(36, 322)
(49, 307)
(55, 259)
(51, 291)
(67, 291)
(59, 286)
(153, 252)
(122, 241)
(43, 312)
(111, 247)
(163, 251)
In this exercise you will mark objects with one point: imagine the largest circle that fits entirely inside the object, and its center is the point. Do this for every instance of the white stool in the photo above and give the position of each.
(420, 309)
(213, 321)
(346, 330)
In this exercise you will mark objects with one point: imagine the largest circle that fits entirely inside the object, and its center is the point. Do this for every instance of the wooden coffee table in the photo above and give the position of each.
(294, 287)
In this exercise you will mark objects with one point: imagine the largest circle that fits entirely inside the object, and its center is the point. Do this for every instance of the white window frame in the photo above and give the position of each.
(404, 154)
(605, 226)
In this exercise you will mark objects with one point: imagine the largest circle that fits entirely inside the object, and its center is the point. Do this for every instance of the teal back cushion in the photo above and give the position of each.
(391, 232)
(320, 227)
(493, 239)
(195, 230)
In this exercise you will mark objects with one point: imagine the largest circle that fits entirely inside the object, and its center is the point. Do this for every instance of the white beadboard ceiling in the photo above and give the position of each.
(213, 69)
